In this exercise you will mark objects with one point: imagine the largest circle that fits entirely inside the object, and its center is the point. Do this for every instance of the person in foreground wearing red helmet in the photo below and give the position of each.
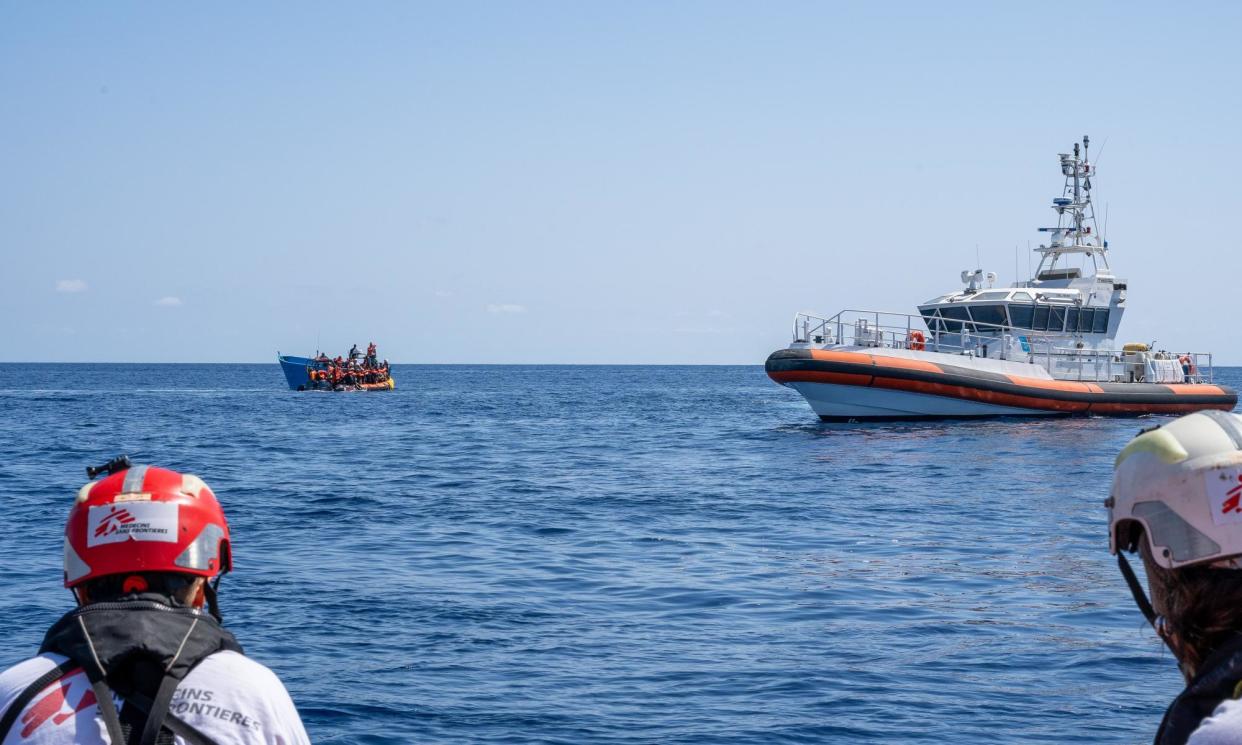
(1177, 500)
(143, 658)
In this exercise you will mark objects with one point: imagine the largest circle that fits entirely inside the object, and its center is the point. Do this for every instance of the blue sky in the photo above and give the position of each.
(589, 182)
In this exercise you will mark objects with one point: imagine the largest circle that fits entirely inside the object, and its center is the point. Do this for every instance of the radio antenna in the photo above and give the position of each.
(1100, 152)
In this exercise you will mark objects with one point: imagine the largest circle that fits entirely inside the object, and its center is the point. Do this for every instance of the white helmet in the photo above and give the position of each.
(1181, 483)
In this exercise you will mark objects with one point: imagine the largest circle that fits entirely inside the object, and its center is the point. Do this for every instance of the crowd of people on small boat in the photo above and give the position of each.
(348, 373)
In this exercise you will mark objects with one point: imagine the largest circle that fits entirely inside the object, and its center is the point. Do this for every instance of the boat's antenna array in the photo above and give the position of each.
(1074, 210)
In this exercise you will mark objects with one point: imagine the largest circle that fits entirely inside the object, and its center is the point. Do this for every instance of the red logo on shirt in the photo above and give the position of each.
(112, 521)
(52, 704)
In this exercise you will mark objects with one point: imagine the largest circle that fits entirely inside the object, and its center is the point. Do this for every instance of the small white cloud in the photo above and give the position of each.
(70, 285)
(444, 293)
(506, 308)
(169, 301)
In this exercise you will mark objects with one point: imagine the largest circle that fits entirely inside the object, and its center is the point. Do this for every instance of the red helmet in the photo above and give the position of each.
(146, 519)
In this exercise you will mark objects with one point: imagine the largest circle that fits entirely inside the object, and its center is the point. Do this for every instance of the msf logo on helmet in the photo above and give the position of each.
(112, 522)
(1234, 498)
(135, 521)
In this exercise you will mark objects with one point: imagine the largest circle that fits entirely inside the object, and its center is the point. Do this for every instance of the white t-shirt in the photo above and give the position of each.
(228, 697)
(1224, 727)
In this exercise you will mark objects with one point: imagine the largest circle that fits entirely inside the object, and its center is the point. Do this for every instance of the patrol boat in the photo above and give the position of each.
(1043, 347)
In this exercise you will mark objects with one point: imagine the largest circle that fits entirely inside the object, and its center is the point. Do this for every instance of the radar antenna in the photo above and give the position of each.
(1076, 231)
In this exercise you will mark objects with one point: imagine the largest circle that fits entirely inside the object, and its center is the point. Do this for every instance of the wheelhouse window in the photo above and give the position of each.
(1041, 318)
(1100, 324)
(1056, 318)
(952, 318)
(1021, 316)
(992, 314)
(1086, 317)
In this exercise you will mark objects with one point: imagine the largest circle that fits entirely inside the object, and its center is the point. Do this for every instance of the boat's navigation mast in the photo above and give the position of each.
(1073, 234)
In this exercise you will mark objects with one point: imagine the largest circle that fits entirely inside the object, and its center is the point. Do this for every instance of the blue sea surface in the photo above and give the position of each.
(572, 554)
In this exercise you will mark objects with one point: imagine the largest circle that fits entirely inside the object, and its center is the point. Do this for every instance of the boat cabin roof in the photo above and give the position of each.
(1008, 294)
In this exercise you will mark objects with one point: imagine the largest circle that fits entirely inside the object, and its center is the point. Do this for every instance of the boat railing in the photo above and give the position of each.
(1102, 365)
(869, 328)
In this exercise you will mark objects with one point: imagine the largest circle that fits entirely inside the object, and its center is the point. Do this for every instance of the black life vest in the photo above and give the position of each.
(1217, 682)
(142, 648)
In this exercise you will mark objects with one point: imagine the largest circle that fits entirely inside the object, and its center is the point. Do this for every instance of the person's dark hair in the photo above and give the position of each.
(170, 585)
(1202, 606)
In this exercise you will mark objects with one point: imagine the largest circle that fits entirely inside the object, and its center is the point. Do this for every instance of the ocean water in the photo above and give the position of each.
(617, 554)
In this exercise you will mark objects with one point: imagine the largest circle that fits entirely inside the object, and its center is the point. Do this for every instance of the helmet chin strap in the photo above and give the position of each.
(1136, 589)
(210, 592)
(1144, 605)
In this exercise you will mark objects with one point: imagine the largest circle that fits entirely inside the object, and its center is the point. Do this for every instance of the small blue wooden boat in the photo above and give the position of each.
(295, 369)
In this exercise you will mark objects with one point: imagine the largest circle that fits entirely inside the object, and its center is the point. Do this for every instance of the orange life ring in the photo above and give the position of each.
(916, 341)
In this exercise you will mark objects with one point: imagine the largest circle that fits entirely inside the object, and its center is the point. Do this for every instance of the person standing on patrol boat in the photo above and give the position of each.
(144, 659)
(1177, 500)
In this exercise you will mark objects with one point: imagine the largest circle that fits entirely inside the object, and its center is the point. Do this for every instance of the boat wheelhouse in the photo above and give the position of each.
(1044, 346)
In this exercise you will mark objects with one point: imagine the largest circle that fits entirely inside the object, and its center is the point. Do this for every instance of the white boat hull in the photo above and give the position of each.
(846, 402)
(860, 383)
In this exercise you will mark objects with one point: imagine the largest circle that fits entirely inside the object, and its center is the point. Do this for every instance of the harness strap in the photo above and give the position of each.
(25, 697)
(107, 710)
(179, 726)
(185, 731)
(159, 710)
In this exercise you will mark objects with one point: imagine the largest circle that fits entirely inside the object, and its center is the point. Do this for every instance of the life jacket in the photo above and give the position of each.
(1219, 680)
(140, 648)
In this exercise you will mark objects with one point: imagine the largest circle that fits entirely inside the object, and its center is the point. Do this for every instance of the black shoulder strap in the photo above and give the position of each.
(172, 722)
(107, 710)
(159, 710)
(25, 697)
(183, 730)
